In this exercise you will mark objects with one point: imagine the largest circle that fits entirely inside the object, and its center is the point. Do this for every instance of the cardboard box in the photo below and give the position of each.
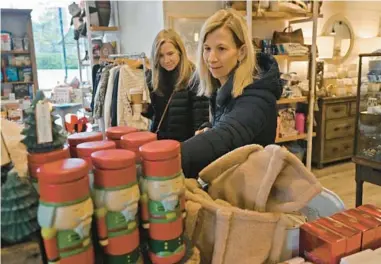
(368, 234)
(371, 221)
(320, 245)
(352, 236)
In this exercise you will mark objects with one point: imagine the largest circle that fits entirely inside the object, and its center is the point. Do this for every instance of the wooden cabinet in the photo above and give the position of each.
(335, 130)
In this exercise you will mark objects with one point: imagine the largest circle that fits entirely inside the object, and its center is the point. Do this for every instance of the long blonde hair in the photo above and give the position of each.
(185, 67)
(245, 71)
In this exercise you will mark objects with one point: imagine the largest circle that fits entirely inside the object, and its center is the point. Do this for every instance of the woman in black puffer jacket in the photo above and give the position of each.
(169, 81)
(243, 88)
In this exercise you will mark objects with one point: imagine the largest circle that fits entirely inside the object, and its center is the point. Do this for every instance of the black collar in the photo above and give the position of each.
(224, 93)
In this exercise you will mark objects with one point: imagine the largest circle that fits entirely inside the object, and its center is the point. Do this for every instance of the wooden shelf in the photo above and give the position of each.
(272, 15)
(293, 138)
(96, 28)
(16, 82)
(15, 52)
(282, 101)
(291, 58)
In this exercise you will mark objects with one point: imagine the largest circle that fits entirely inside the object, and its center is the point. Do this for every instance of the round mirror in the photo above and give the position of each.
(339, 28)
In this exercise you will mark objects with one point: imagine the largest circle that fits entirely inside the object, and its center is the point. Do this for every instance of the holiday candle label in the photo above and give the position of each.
(44, 123)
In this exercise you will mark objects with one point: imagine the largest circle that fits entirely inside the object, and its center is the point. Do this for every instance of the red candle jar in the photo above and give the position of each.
(78, 138)
(65, 211)
(134, 140)
(35, 160)
(116, 194)
(115, 133)
(163, 187)
(84, 150)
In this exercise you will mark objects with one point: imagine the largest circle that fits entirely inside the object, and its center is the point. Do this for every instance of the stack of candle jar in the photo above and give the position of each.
(35, 160)
(163, 200)
(116, 196)
(65, 211)
(115, 133)
(75, 139)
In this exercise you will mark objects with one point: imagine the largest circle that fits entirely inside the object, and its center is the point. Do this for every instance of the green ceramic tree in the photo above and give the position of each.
(19, 204)
(30, 132)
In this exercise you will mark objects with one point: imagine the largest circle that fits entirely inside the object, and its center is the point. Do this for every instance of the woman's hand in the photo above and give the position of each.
(201, 131)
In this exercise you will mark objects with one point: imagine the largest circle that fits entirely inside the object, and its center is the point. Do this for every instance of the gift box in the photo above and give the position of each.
(371, 221)
(368, 233)
(371, 209)
(320, 245)
(352, 236)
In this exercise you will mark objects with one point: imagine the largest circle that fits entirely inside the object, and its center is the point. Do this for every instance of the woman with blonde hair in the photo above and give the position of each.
(176, 111)
(243, 88)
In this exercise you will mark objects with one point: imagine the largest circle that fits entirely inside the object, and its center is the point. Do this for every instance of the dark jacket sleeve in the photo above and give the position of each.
(237, 128)
(200, 111)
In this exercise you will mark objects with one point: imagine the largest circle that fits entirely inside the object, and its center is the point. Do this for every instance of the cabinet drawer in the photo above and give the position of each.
(353, 111)
(338, 148)
(340, 128)
(336, 111)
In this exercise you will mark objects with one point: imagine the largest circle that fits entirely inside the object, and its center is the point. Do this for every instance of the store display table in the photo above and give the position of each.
(366, 171)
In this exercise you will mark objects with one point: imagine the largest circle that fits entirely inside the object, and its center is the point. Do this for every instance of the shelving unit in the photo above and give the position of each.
(293, 138)
(283, 101)
(98, 32)
(273, 15)
(293, 18)
(19, 23)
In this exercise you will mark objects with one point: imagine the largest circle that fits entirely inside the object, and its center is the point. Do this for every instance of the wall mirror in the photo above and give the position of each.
(339, 28)
(189, 30)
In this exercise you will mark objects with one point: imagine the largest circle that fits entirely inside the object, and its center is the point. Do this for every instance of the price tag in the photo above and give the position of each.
(43, 123)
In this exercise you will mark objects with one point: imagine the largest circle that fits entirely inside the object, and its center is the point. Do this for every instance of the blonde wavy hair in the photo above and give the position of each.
(185, 66)
(246, 71)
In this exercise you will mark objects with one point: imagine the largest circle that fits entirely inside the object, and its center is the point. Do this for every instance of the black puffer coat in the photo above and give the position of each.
(251, 118)
(185, 114)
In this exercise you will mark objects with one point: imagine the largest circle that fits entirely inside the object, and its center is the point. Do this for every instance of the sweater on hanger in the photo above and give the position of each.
(108, 97)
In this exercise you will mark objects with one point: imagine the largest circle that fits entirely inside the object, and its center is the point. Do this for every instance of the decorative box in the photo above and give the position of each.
(371, 209)
(320, 245)
(352, 236)
(368, 234)
(371, 221)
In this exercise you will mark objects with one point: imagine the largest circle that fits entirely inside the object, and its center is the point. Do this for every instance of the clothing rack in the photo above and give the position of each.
(135, 55)
(141, 55)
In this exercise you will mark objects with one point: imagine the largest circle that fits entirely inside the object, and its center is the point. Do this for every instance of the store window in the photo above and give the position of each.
(55, 47)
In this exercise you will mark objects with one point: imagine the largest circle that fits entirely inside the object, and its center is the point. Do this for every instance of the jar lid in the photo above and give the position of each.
(118, 131)
(160, 150)
(82, 137)
(41, 158)
(113, 159)
(85, 149)
(62, 171)
(137, 139)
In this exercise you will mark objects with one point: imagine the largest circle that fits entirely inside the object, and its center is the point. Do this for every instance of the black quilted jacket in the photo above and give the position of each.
(251, 118)
(185, 114)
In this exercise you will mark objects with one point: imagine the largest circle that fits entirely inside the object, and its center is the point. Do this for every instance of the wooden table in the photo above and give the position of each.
(366, 171)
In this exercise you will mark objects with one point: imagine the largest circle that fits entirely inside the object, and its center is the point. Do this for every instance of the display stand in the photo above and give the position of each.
(295, 18)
